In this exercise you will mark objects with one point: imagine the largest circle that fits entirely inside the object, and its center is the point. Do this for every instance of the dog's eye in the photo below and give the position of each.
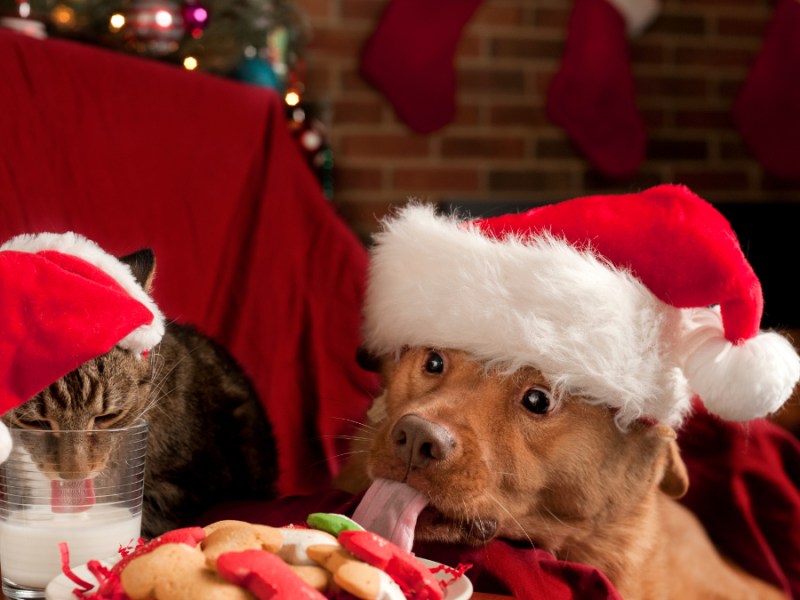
(537, 401)
(434, 363)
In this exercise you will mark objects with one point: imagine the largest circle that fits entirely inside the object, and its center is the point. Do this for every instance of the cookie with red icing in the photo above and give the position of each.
(410, 574)
(265, 575)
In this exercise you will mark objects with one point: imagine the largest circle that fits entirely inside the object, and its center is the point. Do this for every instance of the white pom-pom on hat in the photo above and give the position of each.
(738, 381)
(5, 443)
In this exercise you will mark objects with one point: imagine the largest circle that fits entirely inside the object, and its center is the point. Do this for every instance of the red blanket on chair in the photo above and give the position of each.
(133, 153)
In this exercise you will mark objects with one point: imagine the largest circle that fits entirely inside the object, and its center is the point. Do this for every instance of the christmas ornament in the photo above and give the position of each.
(64, 17)
(27, 17)
(409, 58)
(277, 52)
(154, 26)
(195, 18)
(257, 71)
(766, 110)
(35, 29)
(593, 94)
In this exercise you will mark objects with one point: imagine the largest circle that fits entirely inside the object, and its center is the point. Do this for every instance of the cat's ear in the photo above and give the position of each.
(142, 264)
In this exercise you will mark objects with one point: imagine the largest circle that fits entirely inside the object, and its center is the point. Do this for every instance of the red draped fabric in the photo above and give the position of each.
(133, 153)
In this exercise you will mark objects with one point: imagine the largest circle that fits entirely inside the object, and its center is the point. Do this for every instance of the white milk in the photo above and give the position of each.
(29, 554)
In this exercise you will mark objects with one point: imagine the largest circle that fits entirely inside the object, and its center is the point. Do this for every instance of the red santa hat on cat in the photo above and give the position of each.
(64, 301)
(637, 301)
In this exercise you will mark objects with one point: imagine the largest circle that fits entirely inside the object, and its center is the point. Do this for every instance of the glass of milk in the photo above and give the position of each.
(83, 488)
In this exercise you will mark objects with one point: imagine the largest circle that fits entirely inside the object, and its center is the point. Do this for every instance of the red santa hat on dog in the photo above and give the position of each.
(637, 301)
(65, 301)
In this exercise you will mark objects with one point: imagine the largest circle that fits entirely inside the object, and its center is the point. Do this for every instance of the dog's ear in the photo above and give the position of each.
(675, 480)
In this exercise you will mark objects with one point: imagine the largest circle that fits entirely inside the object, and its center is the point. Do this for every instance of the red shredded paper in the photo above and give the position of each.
(109, 586)
(455, 573)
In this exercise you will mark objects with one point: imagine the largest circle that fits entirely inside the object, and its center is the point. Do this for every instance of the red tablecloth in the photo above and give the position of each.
(134, 153)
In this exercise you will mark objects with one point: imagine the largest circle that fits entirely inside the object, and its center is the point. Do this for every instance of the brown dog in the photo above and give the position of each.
(499, 455)
(534, 366)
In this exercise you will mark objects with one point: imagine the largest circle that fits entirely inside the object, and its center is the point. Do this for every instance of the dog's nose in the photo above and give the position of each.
(418, 441)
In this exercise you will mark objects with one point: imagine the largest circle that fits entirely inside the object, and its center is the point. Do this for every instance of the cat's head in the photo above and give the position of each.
(108, 392)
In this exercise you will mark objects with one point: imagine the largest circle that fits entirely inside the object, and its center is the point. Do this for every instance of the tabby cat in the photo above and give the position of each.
(209, 439)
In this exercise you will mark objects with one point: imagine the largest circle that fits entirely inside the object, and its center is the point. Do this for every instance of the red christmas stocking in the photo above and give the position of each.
(767, 110)
(409, 58)
(592, 96)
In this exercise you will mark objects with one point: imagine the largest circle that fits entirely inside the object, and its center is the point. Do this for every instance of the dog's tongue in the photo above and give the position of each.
(71, 495)
(390, 509)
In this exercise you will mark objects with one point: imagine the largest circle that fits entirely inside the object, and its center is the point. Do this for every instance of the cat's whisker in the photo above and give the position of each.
(157, 362)
(162, 379)
(154, 401)
(177, 364)
(155, 396)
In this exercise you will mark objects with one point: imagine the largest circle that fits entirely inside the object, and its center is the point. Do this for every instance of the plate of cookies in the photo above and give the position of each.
(329, 556)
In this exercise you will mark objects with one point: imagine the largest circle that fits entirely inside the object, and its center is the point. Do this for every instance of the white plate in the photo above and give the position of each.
(60, 588)
(460, 589)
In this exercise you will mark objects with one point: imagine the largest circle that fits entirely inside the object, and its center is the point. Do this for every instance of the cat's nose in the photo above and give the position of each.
(418, 441)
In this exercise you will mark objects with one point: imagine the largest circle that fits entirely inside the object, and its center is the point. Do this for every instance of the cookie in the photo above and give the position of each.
(400, 565)
(176, 572)
(230, 536)
(332, 523)
(317, 577)
(354, 576)
(367, 582)
(296, 541)
(265, 575)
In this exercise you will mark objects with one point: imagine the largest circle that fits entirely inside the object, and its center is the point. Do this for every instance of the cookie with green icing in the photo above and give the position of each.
(332, 523)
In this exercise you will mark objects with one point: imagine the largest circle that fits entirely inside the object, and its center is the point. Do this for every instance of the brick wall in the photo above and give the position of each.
(688, 68)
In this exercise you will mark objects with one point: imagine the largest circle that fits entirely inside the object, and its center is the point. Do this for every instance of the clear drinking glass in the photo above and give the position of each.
(80, 487)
